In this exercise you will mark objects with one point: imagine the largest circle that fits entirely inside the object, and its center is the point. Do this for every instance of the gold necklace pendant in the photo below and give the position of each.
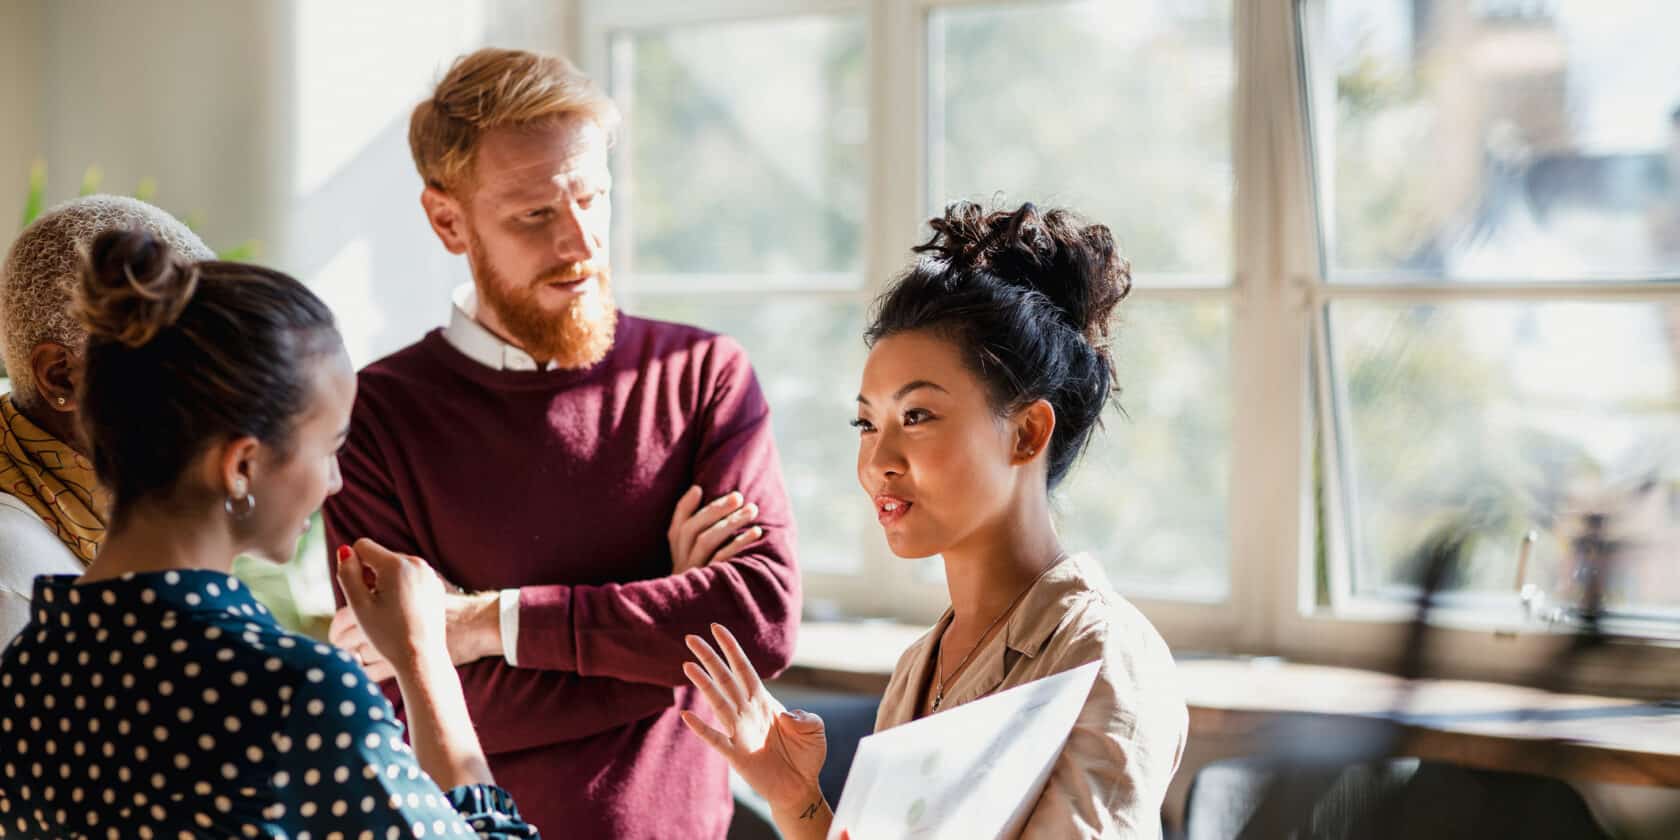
(939, 652)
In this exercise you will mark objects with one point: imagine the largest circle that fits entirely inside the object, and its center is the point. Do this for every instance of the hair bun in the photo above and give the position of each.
(1074, 264)
(134, 286)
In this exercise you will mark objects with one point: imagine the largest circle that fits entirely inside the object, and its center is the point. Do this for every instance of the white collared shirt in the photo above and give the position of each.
(477, 342)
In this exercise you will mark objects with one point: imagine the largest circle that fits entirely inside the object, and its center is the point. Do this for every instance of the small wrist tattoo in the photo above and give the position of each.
(811, 812)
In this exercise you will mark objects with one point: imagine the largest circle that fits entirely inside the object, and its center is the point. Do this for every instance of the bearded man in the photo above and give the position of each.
(550, 455)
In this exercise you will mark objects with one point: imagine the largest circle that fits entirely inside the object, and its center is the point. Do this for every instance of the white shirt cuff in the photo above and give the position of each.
(510, 625)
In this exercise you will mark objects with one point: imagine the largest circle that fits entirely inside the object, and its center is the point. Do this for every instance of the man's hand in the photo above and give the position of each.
(472, 627)
(701, 535)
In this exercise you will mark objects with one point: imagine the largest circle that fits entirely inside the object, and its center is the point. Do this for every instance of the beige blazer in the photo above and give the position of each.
(1112, 774)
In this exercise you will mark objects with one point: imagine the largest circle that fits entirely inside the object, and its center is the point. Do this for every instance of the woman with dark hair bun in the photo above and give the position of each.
(153, 696)
(988, 371)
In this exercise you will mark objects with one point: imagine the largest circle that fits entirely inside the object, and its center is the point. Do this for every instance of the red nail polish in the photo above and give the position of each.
(344, 553)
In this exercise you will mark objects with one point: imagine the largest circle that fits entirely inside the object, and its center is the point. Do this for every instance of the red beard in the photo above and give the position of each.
(575, 338)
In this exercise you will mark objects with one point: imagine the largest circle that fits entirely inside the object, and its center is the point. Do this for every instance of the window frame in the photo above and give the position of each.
(1491, 639)
(1278, 297)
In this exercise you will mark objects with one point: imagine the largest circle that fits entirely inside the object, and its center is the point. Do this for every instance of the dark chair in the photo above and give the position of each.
(1253, 799)
(752, 817)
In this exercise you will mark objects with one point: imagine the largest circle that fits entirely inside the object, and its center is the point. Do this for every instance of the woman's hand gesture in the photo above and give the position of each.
(398, 603)
(777, 752)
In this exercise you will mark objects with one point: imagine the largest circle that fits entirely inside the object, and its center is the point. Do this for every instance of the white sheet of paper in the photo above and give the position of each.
(968, 773)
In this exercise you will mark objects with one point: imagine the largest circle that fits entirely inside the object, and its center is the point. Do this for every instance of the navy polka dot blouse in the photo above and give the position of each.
(170, 704)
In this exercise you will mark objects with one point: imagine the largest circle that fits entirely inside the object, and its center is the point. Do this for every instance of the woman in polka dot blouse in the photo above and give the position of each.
(153, 696)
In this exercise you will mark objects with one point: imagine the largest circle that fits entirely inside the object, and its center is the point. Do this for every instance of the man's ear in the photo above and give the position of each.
(448, 218)
(55, 370)
(1034, 425)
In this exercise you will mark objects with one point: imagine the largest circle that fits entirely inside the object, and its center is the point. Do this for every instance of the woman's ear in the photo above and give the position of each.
(235, 467)
(1034, 425)
(54, 368)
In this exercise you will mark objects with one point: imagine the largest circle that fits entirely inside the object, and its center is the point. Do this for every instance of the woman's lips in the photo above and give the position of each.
(891, 509)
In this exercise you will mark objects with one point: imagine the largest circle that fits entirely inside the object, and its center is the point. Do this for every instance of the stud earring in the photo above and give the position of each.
(61, 402)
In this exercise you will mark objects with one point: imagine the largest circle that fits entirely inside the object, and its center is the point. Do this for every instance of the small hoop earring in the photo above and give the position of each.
(242, 507)
(61, 402)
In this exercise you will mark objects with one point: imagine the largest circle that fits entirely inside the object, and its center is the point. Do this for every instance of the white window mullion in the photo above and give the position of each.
(1276, 262)
(897, 203)
(1339, 527)
(1437, 291)
(897, 136)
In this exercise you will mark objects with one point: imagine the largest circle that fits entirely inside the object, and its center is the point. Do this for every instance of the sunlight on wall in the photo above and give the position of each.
(352, 225)
(20, 143)
(346, 284)
(361, 65)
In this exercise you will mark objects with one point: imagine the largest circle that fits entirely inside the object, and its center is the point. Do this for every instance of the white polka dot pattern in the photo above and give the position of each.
(205, 719)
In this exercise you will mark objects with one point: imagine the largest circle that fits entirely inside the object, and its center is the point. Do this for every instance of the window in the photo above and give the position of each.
(739, 208)
(1553, 129)
(742, 151)
(1119, 109)
(1138, 139)
(1503, 339)
(1395, 261)
(742, 188)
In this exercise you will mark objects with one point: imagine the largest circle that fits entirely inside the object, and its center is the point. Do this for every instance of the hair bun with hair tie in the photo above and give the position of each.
(1075, 265)
(1028, 296)
(134, 287)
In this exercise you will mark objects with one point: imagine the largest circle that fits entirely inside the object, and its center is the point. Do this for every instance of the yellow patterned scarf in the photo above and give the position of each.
(54, 481)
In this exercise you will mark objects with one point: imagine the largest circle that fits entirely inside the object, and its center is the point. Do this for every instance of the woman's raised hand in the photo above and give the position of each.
(397, 601)
(777, 752)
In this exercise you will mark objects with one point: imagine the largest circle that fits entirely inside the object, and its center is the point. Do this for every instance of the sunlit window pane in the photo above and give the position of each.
(744, 149)
(1503, 139)
(1119, 108)
(1555, 417)
(1151, 496)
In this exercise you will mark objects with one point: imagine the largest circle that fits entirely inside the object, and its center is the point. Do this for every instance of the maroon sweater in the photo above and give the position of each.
(562, 483)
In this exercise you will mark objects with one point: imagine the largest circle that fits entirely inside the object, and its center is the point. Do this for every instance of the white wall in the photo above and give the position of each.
(169, 89)
(282, 121)
(352, 225)
(20, 102)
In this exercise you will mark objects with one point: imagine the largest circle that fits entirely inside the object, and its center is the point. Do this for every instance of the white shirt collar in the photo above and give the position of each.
(477, 342)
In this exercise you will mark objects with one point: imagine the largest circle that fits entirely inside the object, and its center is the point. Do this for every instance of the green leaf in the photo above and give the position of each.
(91, 179)
(243, 252)
(34, 202)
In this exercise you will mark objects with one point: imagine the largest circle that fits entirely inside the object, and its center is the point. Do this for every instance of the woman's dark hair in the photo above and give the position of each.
(183, 355)
(1026, 295)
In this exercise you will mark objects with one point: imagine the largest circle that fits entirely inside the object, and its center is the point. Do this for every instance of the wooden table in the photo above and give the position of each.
(1475, 724)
